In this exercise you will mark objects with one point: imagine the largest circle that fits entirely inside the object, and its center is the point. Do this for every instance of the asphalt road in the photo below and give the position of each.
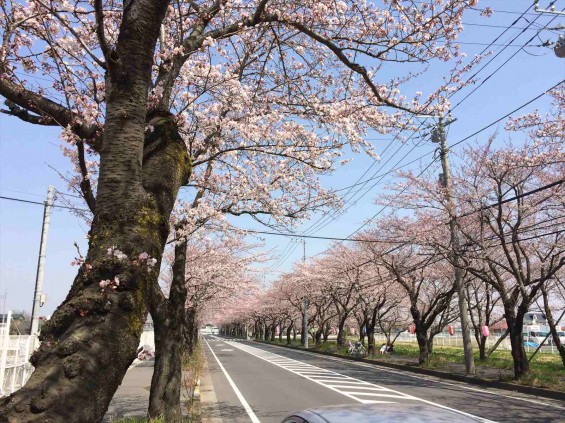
(263, 383)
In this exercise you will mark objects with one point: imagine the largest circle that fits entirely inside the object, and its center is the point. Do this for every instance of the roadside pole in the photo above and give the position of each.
(304, 305)
(463, 309)
(37, 301)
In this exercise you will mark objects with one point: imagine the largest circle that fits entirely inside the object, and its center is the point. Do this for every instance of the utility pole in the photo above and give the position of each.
(38, 298)
(438, 135)
(305, 305)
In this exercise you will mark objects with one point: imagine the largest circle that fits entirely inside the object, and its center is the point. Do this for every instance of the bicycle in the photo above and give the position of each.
(357, 349)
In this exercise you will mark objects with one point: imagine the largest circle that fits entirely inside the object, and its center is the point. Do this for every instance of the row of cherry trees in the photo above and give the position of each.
(510, 205)
(245, 102)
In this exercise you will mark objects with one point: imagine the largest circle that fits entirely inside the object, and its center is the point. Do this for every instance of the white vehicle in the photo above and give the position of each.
(215, 330)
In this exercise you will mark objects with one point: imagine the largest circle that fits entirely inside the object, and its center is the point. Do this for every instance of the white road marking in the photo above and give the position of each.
(227, 349)
(433, 379)
(340, 379)
(370, 388)
(248, 409)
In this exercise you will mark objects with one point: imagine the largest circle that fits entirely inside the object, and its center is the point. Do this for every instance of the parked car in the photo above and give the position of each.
(411, 412)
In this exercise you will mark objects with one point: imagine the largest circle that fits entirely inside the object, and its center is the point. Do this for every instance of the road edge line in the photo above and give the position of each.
(239, 395)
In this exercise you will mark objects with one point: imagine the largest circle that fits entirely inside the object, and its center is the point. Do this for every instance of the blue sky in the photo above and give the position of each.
(27, 154)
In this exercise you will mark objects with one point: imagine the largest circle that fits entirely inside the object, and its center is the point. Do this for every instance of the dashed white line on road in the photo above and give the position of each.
(514, 396)
(332, 380)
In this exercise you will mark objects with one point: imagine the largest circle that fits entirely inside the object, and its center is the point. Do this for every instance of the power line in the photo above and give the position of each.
(469, 136)
(516, 197)
(21, 200)
(502, 65)
(290, 234)
(320, 224)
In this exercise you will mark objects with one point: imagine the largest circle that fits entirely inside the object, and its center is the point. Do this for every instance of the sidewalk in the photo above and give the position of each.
(209, 409)
(132, 397)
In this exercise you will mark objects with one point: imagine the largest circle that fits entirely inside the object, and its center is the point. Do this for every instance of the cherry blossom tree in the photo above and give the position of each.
(214, 270)
(424, 278)
(127, 93)
(484, 310)
(344, 278)
(508, 201)
(511, 247)
(379, 305)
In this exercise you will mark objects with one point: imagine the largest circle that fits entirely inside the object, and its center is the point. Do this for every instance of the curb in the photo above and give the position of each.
(529, 390)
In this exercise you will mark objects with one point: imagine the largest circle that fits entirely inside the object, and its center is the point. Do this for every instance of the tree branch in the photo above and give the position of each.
(85, 185)
(99, 13)
(48, 109)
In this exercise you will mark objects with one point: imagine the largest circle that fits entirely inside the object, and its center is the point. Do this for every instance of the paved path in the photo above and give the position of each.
(263, 383)
(132, 397)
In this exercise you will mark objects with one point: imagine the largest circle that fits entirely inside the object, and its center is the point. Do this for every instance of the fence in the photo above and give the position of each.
(15, 351)
(457, 341)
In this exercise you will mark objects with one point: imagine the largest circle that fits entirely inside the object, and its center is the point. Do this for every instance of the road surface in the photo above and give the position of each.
(263, 383)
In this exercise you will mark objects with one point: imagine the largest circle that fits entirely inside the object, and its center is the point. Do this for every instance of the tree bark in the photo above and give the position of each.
(318, 337)
(327, 328)
(281, 330)
(371, 338)
(341, 332)
(80, 339)
(482, 348)
(515, 325)
(190, 335)
(423, 346)
(288, 332)
(169, 317)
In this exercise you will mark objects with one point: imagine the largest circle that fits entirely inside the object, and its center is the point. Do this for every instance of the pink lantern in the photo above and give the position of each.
(486, 331)
(451, 330)
(412, 329)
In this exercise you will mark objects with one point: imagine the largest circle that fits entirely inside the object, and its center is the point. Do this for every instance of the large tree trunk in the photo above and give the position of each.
(190, 337)
(371, 338)
(80, 364)
(80, 339)
(341, 332)
(423, 345)
(515, 325)
(168, 317)
(482, 348)
(288, 332)
(327, 329)
(256, 331)
(318, 337)
(281, 330)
